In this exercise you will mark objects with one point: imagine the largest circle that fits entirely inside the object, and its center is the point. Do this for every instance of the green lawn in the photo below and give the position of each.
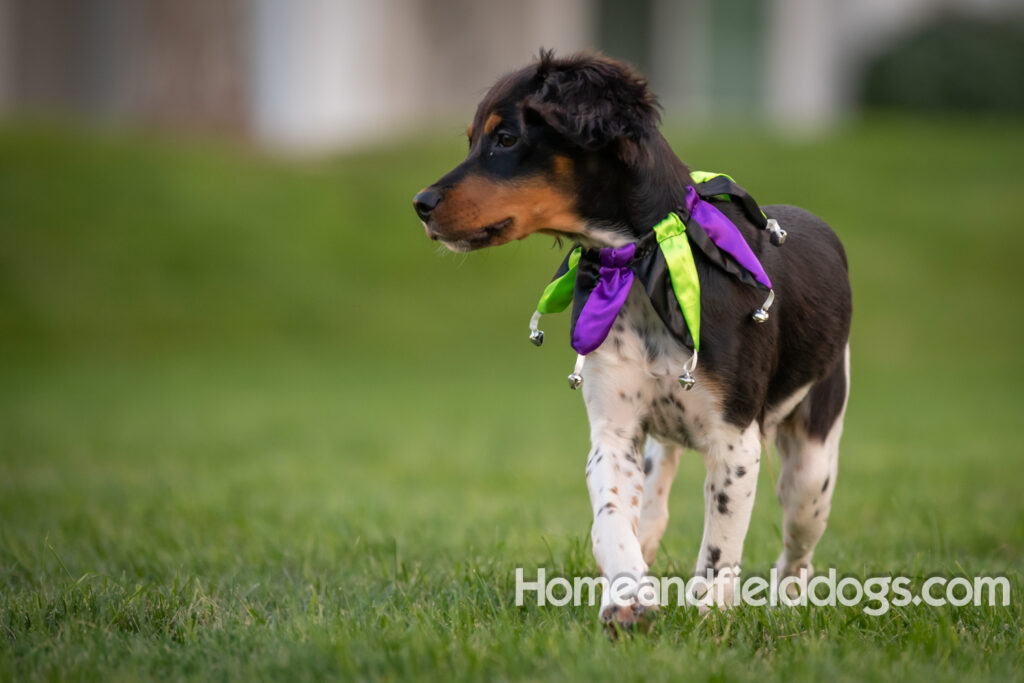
(254, 427)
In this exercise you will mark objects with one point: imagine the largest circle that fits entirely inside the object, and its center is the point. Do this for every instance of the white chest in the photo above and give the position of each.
(633, 379)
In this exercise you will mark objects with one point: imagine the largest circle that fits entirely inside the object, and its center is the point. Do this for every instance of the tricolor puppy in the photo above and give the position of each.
(665, 263)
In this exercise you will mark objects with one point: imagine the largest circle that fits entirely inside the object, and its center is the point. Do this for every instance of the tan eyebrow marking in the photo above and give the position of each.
(469, 131)
(563, 166)
(492, 122)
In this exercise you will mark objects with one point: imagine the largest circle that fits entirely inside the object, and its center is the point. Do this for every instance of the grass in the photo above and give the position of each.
(252, 427)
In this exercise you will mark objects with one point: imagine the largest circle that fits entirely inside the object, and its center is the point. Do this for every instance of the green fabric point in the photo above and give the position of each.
(674, 245)
(558, 294)
(704, 176)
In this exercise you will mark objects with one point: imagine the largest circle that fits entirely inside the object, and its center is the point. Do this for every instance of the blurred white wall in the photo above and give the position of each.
(338, 72)
(806, 89)
(309, 75)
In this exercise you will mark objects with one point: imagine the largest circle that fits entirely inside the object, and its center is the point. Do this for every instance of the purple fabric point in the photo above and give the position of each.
(615, 277)
(724, 234)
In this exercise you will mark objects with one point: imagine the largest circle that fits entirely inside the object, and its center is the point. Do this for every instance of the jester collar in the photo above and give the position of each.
(596, 281)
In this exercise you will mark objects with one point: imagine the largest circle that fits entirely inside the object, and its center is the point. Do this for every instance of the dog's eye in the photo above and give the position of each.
(506, 140)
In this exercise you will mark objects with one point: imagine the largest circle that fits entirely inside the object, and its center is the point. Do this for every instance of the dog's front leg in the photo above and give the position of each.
(732, 457)
(615, 479)
(616, 484)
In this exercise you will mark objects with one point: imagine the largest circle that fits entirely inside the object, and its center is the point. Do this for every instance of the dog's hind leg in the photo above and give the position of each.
(660, 464)
(808, 442)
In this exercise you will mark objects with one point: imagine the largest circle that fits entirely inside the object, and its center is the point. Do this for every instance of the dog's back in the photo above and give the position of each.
(760, 366)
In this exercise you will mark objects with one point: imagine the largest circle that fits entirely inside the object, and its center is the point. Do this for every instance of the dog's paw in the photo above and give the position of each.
(795, 576)
(630, 618)
(719, 594)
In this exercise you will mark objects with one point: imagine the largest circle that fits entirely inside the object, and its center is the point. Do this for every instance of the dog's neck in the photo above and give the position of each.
(658, 185)
(654, 185)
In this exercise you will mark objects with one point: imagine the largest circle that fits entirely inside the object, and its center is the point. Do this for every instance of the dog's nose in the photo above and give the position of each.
(425, 202)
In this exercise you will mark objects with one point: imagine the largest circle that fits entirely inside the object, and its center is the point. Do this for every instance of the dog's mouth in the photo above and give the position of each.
(486, 236)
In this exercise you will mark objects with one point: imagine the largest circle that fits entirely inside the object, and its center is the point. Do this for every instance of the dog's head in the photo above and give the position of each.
(550, 150)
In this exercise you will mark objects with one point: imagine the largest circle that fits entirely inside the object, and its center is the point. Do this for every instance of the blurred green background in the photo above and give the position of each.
(254, 424)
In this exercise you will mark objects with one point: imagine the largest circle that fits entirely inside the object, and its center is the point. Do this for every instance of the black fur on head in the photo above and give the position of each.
(602, 105)
(594, 102)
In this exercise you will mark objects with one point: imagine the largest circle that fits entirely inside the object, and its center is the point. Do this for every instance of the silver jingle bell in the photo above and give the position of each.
(760, 316)
(686, 380)
(537, 337)
(575, 381)
(775, 233)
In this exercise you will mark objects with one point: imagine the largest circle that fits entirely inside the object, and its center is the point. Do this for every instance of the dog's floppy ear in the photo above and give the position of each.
(594, 102)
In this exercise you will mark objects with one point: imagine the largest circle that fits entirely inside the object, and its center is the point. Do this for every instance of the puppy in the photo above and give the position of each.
(570, 147)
